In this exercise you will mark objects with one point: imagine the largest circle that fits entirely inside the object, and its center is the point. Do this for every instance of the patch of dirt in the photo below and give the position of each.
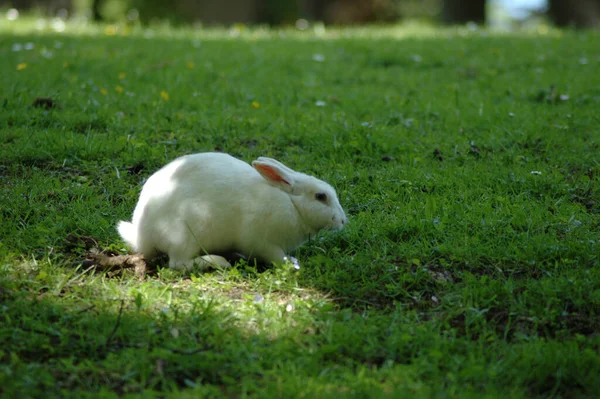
(74, 243)
(105, 260)
(510, 325)
(45, 102)
(251, 143)
(116, 264)
(474, 150)
(586, 198)
(136, 169)
(440, 275)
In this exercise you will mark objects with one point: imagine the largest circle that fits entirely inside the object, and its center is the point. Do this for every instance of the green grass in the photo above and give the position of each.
(461, 273)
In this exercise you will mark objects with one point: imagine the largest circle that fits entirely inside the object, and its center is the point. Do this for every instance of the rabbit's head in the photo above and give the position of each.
(315, 201)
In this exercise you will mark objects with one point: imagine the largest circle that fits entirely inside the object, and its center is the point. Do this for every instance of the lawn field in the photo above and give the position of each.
(467, 161)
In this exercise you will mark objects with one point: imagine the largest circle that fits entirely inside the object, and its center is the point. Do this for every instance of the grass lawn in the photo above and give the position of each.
(468, 163)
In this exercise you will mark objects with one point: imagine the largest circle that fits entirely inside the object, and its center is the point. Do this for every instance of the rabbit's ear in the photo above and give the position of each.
(275, 173)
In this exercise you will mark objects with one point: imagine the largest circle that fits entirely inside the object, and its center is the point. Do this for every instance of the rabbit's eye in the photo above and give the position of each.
(321, 197)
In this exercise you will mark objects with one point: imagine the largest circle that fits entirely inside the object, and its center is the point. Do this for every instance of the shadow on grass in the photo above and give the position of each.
(54, 342)
(120, 346)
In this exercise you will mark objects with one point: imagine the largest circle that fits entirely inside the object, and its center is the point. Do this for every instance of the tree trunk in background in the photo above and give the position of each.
(463, 11)
(577, 13)
(275, 12)
(313, 10)
(18, 4)
(49, 7)
(223, 12)
(96, 16)
(342, 12)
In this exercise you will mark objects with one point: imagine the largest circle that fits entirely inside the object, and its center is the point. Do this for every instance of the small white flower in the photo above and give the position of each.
(12, 14)
(46, 53)
(133, 14)
(511, 114)
(17, 47)
(416, 58)
(472, 26)
(29, 46)
(564, 97)
(58, 25)
(293, 261)
(318, 57)
(320, 103)
(302, 24)
(535, 172)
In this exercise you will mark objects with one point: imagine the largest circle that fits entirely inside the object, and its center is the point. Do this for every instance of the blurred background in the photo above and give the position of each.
(503, 13)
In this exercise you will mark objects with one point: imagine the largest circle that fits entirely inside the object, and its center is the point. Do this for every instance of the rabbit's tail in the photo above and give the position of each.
(129, 234)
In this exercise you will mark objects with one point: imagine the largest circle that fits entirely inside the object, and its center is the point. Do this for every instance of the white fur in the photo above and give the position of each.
(214, 203)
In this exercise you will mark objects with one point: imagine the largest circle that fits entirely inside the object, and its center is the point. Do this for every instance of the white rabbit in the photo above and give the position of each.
(211, 203)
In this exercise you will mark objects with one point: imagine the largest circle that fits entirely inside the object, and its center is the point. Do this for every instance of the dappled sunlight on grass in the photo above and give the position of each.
(270, 304)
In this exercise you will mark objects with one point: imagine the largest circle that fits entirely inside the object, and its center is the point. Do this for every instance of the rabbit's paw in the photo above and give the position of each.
(200, 263)
(292, 261)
